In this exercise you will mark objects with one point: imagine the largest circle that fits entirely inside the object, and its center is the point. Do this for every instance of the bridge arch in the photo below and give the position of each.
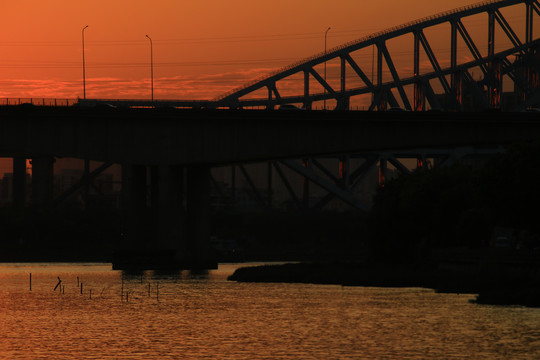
(455, 79)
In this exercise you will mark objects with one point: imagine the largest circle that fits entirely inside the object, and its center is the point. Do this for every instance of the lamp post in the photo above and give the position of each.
(325, 36)
(151, 66)
(83, 64)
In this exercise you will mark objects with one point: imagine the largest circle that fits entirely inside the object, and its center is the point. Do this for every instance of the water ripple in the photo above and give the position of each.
(208, 318)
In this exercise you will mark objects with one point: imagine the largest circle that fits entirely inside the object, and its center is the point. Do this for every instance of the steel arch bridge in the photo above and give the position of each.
(455, 79)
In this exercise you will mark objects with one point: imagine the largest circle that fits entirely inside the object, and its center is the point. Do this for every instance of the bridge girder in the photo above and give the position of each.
(311, 183)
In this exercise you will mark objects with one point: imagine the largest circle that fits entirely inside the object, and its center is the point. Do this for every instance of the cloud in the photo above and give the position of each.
(192, 86)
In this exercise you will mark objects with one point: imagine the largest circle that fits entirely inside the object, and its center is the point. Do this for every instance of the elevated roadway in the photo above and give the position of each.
(217, 137)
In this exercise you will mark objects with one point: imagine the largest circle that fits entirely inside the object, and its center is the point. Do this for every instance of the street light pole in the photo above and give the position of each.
(151, 66)
(83, 64)
(325, 36)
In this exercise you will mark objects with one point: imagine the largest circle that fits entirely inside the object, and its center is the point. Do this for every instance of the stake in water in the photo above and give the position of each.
(185, 315)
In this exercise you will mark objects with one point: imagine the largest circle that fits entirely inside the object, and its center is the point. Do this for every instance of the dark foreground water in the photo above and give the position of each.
(203, 316)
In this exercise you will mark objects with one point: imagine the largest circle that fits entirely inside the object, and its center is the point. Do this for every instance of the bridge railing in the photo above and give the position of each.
(38, 101)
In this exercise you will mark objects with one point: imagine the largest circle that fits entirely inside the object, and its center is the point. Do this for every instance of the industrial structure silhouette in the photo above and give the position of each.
(166, 151)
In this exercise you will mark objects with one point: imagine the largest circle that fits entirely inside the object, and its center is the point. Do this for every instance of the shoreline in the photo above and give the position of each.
(491, 290)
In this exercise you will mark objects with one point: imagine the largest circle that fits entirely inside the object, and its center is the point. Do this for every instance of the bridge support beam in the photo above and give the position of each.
(307, 101)
(453, 52)
(305, 185)
(19, 182)
(495, 84)
(169, 229)
(381, 104)
(42, 181)
(529, 23)
(344, 173)
(491, 33)
(457, 89)
(419, 103)
(382, 171)
(167, 207)
(134, 203)
(198, 218)
(456, 79)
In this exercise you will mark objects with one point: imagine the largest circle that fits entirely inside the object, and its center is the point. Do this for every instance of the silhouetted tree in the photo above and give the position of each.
(458, 205)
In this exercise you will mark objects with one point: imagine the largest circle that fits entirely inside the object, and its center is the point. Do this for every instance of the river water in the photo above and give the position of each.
(203, 316)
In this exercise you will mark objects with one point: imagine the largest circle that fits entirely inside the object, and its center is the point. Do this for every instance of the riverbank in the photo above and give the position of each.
(494, 283)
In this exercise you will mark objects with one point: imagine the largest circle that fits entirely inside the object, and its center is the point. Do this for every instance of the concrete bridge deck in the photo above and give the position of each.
(214, 137)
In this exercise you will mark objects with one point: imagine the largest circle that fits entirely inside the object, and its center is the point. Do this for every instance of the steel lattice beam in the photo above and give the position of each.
(383, 90)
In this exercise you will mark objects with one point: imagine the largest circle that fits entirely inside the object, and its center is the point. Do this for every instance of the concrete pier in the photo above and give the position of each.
(198, 215)
(19, 182)
(166, 218)
(42, 181)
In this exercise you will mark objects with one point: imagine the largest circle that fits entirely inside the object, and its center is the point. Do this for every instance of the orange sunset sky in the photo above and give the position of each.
(201, 48)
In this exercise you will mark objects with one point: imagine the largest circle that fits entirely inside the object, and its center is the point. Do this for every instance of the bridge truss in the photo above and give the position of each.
(311, 184)
(341, 178)
(518, 62)
(446, 84)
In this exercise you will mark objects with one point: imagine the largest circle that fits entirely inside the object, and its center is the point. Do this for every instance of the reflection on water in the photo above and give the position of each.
(185, 315)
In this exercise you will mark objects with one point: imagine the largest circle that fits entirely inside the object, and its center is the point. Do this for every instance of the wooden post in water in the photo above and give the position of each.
(58, 284)
(30, 281)
(81, 288)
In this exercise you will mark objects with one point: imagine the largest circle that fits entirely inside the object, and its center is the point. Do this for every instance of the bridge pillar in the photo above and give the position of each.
(198, 217)
(529, 72)
(270, 103)
(491, 33)
(344, 170)
(305, 185)
(233, 184)
(19, 182)
(42, 181)
(421, 162)
(382, 99)
(343, 103)
(168, 210)
(382, 95)
(383, 164)
(456, 78)
(343, 100)
(419, 98)
(457, 89)
(173, 231)
(134, 207)
(307, 101)
(495, 84)
(270, 188)
(533, 71)
(529, 23)
(453, 51)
